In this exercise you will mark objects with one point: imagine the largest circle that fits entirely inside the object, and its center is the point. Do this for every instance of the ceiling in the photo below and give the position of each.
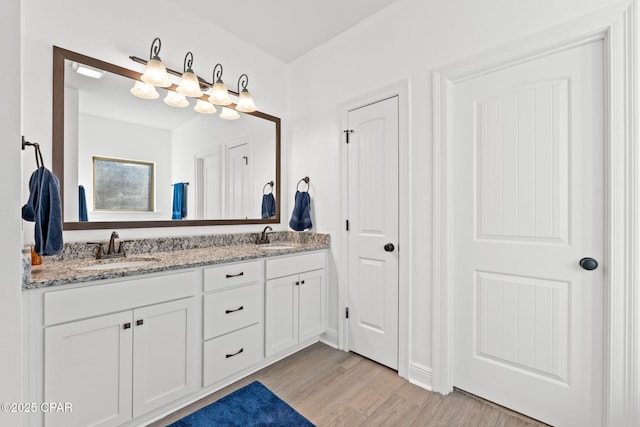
(287, 29)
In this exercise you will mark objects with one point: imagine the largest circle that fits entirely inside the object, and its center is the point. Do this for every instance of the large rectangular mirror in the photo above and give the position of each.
(223, 167)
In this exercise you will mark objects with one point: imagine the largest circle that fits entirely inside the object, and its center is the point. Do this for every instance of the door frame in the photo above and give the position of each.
(401, 90)
(617, 27)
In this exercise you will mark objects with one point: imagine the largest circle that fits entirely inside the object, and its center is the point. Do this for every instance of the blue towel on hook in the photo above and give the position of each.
(301, 215)
(45, 209)
(268, 206)
(82, 204)
(179, 209)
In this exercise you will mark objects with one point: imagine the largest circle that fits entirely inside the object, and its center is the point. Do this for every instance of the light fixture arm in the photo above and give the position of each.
(188, 62)
(217, 73)
(243, 81)
(154, 51)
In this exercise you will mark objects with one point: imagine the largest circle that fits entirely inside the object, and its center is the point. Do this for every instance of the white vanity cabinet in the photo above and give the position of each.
(295, 304)
(119, 350)
(232, 319)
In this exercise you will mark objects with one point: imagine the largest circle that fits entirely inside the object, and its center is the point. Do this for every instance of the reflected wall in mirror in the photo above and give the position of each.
(226, 163)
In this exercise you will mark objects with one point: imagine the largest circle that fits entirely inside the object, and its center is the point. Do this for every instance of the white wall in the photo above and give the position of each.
(113, 31)
(403, 42)
(10, 292)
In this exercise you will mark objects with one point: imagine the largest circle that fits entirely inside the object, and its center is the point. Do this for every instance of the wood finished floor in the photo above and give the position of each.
(334, 388)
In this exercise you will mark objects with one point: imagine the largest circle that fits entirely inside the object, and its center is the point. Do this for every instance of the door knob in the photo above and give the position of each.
(389, 247)
(588, 263)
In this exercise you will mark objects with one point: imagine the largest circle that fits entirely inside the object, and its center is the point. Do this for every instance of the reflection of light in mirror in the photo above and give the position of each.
(144, 90)
(205, 107)
(175, 99)
(229, 114)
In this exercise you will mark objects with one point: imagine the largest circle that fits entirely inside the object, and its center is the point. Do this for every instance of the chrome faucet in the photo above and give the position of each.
(264, 236)
(112, 243)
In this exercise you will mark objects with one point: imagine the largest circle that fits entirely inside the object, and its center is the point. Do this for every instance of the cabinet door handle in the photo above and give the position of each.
(126, 325)
(229, 276)
(233, 311)
(302, 282)
(139, 322)
(297, 283)
(234, 354)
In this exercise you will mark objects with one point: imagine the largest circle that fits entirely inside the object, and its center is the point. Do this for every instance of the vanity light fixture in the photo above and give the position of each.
(229, 114)
(219, 92)
(245, 100)
(155, 72)
(144, 90)
(205, 107)
(175, 99)
(189, 85)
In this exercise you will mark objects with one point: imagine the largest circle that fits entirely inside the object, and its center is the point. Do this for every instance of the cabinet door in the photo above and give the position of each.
(281, 314)
(164, 350)
(312, 303)
(88, 364)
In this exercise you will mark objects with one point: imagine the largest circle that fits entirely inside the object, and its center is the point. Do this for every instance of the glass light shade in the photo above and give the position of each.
(219, 94)
(245, 102)
(189, 85)
(175, 99)
(155, 74)
(229, 114)
(204, 107)
(144, 90)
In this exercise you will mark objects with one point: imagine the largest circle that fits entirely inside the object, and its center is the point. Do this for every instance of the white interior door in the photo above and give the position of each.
(238, 172)
(528, 197)
(210, 202)
(373, 223)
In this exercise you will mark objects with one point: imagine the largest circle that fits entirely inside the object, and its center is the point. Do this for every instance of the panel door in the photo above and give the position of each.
(163, 360)
(373, 216)
(238, 178)
(312, 300)
(88, 364)
(528, 206)
(281, 314)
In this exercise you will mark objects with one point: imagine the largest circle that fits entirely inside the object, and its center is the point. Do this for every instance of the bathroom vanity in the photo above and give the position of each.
(130, 344)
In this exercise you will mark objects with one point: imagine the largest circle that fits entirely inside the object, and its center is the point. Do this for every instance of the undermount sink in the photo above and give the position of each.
(275, 247)
(139, 262)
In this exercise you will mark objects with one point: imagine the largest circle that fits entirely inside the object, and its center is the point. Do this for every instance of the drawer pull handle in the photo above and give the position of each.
(139, 322)
(126, 325)
(229, 276)
(233, 311)
(234, 354)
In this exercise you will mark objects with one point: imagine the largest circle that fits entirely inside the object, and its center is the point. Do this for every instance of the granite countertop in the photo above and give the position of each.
(67, 271)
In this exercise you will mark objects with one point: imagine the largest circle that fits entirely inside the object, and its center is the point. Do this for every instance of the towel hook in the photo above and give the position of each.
(39, 161)
(268, 184)
(305, 180)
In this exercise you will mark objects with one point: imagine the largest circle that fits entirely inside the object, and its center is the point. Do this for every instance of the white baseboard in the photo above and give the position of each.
(330, 338)
(420, 375)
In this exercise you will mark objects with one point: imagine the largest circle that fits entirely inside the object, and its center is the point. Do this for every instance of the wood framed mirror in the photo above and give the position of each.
(226, 164)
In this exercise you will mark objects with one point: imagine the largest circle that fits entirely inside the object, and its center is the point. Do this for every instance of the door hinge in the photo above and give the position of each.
(346, 222)
(346, 312)
(347, 133)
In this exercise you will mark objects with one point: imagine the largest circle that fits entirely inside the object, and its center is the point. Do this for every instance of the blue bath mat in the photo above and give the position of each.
(252, 405)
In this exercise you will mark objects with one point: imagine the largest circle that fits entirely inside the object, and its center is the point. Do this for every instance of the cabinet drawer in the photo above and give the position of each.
(286, 266)
(231, 353)
(232, 274)
(232, 309)
(94, 300)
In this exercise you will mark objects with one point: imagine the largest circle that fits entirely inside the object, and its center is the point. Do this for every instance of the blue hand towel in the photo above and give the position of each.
(82, 204)
(45, 209)
(179, 210)
(268, 205)
(301, 215)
